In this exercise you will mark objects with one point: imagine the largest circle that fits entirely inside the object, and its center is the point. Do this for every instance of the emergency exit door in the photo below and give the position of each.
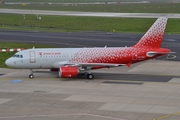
(32, 57)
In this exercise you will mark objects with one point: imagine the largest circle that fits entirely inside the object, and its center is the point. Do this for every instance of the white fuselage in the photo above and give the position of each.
(55, 57)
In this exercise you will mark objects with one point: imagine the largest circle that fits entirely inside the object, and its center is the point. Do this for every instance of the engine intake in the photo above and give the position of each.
(68, 71)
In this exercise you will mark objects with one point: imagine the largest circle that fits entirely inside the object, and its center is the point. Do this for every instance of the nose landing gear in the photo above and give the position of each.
(31, 76)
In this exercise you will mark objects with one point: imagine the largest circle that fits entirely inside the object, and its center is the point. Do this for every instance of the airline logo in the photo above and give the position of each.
(49, 53)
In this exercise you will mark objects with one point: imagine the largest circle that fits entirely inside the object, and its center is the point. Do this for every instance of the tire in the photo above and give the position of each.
(31, 76)
(90, 76)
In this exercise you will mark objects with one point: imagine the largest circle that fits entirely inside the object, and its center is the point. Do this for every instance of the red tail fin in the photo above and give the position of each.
(154, 35)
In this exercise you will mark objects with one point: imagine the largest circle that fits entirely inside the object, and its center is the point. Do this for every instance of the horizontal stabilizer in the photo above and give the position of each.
(151, 54)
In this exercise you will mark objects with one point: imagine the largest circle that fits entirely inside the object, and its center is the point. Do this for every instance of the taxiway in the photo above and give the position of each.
(146, 91)
(87, 39)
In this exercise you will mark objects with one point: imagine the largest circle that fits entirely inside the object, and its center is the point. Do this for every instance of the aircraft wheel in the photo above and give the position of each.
(90, 76)
(31, 76)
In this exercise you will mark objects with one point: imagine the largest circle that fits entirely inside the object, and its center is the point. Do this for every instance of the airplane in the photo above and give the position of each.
(71, 62)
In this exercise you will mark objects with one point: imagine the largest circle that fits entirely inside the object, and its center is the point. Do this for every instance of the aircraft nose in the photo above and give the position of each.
(8, 62)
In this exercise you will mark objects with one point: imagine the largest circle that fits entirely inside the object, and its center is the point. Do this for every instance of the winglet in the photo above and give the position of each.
(128, 64)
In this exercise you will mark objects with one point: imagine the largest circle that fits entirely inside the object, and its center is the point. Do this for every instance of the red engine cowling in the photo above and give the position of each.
(68, 72)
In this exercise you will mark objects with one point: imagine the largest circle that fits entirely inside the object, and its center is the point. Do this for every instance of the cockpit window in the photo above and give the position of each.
(18, 56)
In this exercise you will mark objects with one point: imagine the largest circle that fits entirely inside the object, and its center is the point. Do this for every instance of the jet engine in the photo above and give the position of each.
(68, 71)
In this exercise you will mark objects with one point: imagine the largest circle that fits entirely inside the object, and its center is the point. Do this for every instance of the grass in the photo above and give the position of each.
(119, 8)
(75, 24)
(8, 45)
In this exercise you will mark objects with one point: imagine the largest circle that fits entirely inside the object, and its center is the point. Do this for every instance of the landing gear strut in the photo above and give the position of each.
(31, 76)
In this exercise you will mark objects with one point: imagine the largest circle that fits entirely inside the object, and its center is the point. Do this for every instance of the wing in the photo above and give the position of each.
(95, 64)
(90, 65)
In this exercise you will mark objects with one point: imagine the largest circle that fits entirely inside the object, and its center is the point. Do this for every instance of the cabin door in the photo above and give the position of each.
(32, 57)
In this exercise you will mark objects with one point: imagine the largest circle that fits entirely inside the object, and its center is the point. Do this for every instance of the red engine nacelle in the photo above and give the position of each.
(68, 72)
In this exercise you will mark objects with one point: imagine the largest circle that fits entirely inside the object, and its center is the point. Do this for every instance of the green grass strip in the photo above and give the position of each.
(76, 24)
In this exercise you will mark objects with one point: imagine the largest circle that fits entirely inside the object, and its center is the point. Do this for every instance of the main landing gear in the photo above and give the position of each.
(89, 76)
(31, 76)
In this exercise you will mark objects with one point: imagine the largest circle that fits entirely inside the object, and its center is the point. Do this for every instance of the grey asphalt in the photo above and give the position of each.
(87, 39)
(96, 14)
(126, 98)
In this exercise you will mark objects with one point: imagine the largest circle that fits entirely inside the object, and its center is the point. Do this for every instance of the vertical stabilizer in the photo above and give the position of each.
(154, 35)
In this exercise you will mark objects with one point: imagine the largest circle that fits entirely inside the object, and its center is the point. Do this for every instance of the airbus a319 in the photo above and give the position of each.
(70, 62)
